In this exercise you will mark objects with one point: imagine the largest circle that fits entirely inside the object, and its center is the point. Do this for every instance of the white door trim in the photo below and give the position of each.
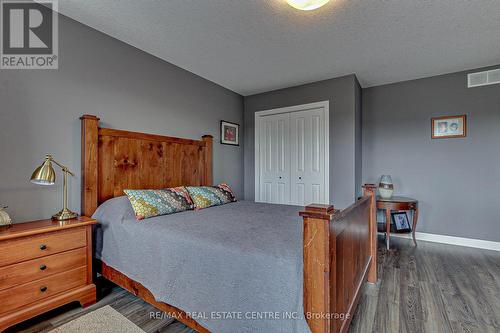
(295, 108)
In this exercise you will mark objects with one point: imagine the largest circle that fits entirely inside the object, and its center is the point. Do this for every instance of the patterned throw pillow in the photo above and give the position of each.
(150, 203)
(208, 196)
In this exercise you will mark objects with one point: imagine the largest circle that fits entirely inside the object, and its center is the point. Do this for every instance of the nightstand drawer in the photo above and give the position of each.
(19, 296)
(36, 269)
(31, 247)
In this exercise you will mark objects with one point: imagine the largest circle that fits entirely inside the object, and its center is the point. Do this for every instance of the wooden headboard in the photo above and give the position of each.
(114, 160)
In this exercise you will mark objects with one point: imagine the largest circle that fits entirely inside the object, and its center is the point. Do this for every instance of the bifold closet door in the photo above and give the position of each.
(275, 158)
(307, 178)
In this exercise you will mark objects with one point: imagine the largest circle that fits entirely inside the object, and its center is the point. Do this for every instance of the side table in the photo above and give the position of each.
(398, 203)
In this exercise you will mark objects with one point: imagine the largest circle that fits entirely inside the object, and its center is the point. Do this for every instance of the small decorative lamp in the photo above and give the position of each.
(4, 217)
(45, 175)
(385, 187)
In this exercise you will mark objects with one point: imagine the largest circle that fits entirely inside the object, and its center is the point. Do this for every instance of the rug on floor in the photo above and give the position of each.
(102, 320)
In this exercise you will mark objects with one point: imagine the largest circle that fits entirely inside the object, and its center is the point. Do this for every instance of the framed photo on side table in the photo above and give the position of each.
(229, 133)
(449, 127)
(401, 221)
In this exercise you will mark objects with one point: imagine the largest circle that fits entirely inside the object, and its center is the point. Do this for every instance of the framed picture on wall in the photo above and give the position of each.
(229, 133)
(449, 127)
(401, 221)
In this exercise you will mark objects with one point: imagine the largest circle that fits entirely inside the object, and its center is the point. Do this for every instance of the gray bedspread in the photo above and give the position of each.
(234, 268)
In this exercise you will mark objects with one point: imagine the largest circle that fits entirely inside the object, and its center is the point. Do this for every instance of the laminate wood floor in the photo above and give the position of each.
(430, 288)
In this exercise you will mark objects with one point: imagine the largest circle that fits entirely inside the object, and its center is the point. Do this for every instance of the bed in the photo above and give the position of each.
(317, 257)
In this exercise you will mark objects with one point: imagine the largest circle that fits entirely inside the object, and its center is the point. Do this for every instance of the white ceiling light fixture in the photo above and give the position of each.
(307, 4)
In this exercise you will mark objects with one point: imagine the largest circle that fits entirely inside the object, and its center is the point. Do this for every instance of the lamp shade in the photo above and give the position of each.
(44, 174)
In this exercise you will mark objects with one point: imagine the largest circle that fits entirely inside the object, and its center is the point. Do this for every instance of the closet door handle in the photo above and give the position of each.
(300, 178)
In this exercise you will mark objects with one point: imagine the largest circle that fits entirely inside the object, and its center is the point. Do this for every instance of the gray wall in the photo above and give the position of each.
(126, 88)
(341, 92)
(456, 180)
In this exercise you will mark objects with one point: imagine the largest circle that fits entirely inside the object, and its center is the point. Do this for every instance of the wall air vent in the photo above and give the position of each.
(483, 78)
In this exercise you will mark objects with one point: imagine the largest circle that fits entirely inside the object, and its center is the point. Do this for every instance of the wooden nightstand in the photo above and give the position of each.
(43, 265)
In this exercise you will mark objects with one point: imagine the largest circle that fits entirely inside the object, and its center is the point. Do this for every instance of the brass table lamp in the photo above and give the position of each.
(45, 175)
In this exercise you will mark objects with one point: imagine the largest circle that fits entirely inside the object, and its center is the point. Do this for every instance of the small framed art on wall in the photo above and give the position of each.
(229, 133)
(449, 127)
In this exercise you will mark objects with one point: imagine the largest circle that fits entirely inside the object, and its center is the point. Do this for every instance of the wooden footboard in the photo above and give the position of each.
(340, 255)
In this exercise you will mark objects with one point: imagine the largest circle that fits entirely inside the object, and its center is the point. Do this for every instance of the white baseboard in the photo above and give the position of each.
(468, 242)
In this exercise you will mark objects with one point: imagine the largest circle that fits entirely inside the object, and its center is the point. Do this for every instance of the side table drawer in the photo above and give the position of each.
(40, 268)
(19, 296)
(31, 247)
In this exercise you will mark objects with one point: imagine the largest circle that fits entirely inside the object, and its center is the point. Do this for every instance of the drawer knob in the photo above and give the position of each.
(43, 267)
(43, 289)
(43, 247)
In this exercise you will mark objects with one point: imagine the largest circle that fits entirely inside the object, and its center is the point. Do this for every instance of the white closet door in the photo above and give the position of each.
(275, 159)
(307, 179)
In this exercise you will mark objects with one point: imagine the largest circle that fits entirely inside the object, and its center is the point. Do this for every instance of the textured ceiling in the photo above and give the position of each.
(251, 46)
